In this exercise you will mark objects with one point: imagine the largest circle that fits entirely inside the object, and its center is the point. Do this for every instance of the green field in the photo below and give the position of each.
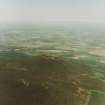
(52, 65)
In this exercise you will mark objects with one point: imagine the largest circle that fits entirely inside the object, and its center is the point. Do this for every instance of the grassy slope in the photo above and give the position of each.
(45, 80)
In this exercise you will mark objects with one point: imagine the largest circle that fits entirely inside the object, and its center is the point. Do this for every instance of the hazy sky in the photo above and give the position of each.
(52, 10)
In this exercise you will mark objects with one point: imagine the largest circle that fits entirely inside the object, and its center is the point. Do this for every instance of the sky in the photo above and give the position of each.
(32, 11)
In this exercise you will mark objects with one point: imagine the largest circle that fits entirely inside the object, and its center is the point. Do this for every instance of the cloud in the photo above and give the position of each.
(48, 10)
